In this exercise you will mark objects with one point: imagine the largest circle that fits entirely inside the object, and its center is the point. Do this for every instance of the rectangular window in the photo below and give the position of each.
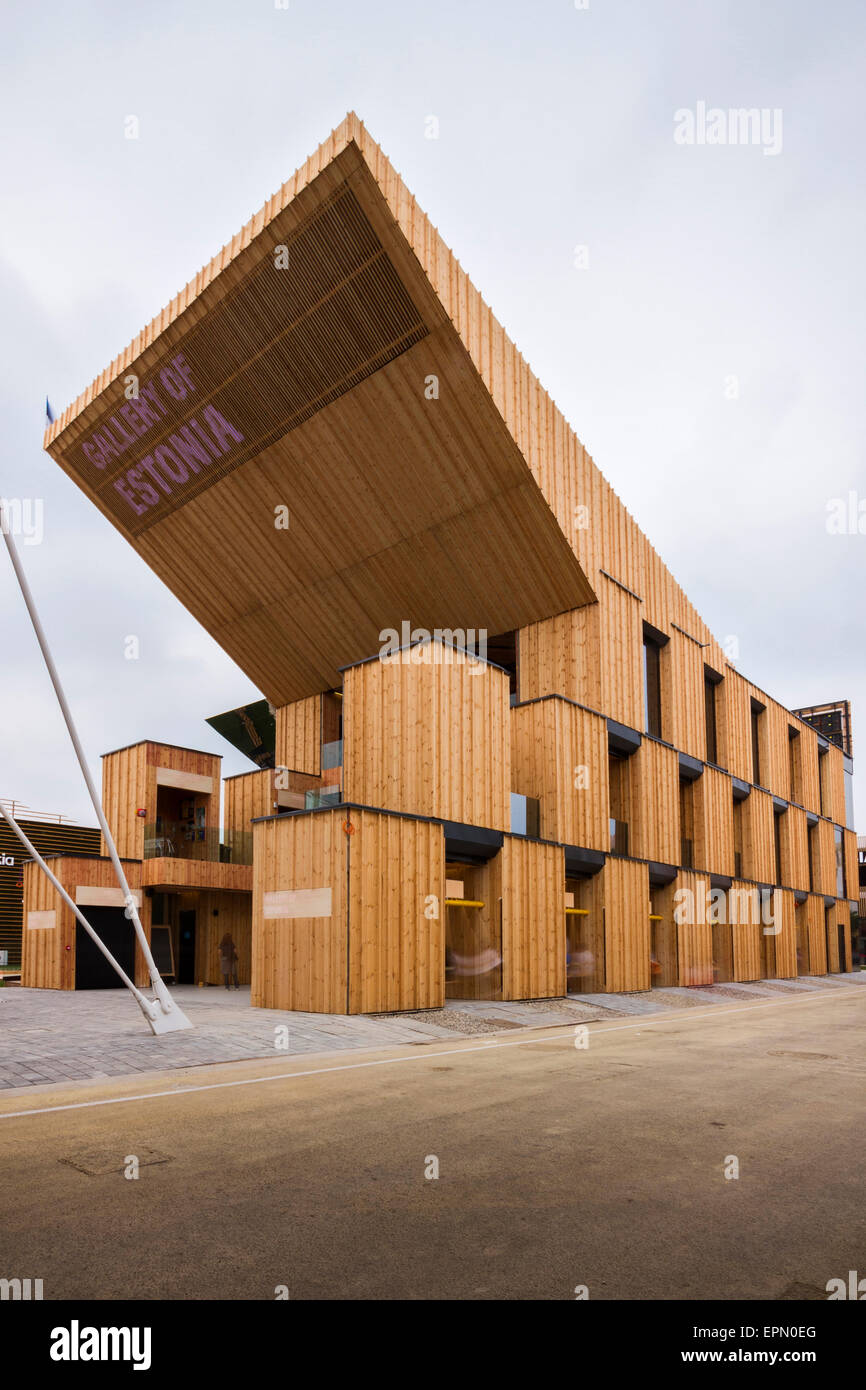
(687, 825)
(618, 775)
(738, 839)
(812, 833)
(652, 686)
(757, 711)
(710, 711)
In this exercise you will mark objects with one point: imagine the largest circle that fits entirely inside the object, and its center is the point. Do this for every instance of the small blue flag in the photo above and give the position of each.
(49, 416)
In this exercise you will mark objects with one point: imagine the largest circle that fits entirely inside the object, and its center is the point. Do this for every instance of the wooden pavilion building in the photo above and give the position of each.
(510, 759)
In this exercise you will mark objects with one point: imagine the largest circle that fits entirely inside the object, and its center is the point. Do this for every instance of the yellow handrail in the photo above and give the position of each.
(463, 902)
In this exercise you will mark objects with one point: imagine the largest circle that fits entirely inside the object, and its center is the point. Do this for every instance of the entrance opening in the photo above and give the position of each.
(473, 935)
(843, 963)
(584, 935)
(801, 919)
(113, 927)
(186, 949)
(664, 942)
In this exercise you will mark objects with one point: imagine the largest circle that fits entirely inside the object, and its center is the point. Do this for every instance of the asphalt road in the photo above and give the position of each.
(558, 1167)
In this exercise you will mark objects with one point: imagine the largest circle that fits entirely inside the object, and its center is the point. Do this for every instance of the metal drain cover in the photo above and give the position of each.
(109, 1159)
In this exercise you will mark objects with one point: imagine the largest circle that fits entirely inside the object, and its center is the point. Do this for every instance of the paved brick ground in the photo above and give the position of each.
(50, 1036)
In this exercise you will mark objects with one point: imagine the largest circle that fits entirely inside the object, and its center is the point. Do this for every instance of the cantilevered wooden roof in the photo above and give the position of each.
(317, 372)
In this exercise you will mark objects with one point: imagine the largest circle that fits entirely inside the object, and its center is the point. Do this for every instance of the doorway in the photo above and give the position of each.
(186, 948)
(115, 930)
(843, 962)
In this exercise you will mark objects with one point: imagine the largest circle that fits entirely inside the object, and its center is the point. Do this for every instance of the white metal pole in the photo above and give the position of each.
(171, 1017)
(147, 1007)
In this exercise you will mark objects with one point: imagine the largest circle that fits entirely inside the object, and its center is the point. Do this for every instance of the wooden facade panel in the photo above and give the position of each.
(396, 914)
(781, 939)
(852, 870)
(807, 744)
(532, 891)
(429, 736)
(824, 865)
(247, 797)
(559, 756)
(300, 963)
(48, 953)
(621, 648)
(178, 872)
(817, 935)
(562, 656)
(795, 849)
(694, 930)
(684, 660)
(835, 785)
(625, 886)
(713, 822)
(734, 717)
(216, 914)
(759, 860)
(653, 782)
(129, 784)
(299, 735)
(746, 930)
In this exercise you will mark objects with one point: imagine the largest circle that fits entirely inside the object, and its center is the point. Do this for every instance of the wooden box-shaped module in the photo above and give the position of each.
(348, 912)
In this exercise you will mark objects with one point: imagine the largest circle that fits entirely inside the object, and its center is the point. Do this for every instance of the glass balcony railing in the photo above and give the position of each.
(332, 754)
(178, 840)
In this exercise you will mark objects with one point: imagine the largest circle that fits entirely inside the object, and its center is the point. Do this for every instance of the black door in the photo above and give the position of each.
(113, 927)
(186, 953)
(843, 964)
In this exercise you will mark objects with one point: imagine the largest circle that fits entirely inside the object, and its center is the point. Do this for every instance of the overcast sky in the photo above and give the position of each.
(703, 263)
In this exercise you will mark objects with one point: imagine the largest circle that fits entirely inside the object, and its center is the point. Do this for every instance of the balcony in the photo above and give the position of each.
(179, 840)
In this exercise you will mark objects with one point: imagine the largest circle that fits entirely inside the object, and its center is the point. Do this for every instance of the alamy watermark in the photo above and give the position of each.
(418, 646)
(714, 125)
(23, 516)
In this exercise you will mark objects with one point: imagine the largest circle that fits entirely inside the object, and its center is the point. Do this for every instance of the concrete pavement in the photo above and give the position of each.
(558, 1166)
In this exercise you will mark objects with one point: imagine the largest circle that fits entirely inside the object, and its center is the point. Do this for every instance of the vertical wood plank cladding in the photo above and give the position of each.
(562, 656)
(664, 932)
(396, 953)
(45, 961)
(430, 737)
(124, 789)
(825, 855)
(776, 777)
(559, 756)
(625, 886)
(746, 930)
(795, 849)
(817, 936)
(713, 822)
(835, 808)
(851, 865)
(784, 935)
(694, 931)
(653, 794)
(685, 695)
(247, 796)
(811, 792)
(299, 735)
(129, 782)
(737, 738)
(758, 837)
(532, 887)
(621, 648)
(234, 914)
(300, 963)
